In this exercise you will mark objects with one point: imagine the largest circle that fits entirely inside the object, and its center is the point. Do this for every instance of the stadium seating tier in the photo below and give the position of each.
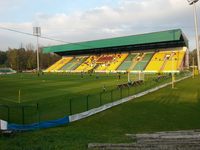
(59, 64)
(164, 60)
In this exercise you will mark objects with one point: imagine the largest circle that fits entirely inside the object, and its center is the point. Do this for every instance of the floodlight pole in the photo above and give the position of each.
(197, 37)
(192, 2)
(193, 66)
(37, 33)
(38, 60)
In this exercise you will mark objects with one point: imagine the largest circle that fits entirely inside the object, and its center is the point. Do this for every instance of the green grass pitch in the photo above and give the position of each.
(59, 95)
(166, 109)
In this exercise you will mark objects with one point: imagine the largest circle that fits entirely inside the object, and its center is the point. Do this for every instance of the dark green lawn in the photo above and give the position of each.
(52, 92)
(58, 95)
(166, 109)
(35, 88)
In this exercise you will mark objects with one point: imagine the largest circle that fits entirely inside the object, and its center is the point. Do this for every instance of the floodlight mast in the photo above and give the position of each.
(192, 2)
(37, 33)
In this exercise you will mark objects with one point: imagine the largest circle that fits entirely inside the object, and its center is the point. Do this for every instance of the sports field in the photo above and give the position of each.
(166, 109)
(58, 95)
(54, 96)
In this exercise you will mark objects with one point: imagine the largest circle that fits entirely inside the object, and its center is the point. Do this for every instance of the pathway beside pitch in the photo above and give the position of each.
(170, 140)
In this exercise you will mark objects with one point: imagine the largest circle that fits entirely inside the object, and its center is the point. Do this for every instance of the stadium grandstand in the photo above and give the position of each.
(157, 52)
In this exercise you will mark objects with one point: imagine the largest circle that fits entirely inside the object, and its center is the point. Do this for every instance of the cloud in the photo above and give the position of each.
(9, 5)
(127, 18)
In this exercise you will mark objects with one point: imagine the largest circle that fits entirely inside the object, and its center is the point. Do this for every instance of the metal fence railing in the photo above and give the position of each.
(27, 113)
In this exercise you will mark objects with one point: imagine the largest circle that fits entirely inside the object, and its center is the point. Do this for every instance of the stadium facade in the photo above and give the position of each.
(165, 51)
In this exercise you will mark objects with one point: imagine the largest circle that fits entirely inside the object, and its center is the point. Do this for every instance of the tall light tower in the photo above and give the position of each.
(37, 33)
(193, 2)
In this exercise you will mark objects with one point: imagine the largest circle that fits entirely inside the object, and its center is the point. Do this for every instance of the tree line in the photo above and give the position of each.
(22, 59)
(193, 56)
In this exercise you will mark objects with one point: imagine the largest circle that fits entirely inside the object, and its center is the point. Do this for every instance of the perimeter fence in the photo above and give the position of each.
(27, 113)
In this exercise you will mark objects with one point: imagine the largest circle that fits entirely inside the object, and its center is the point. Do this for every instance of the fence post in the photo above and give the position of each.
(8, 114)
(70, 106)
(23, 115)
(67, 106)
(87, 104)
(121, 93)
(38, 113)
(100, 102)
(128, 91)
(111, 92)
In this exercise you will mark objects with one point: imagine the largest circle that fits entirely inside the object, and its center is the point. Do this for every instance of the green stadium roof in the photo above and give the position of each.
(149, 38)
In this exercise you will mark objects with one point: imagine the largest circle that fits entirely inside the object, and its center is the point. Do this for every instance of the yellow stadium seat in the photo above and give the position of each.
(175, 61)
(111, 62)
(156, 63)
(87, 65)
(166, 60)
(59, 64)
(119, 58)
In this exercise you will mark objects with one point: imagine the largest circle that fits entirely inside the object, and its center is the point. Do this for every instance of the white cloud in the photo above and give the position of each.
(9, 5)
(129, 17)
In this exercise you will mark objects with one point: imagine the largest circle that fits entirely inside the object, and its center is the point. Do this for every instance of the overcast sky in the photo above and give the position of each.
(82, 20)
